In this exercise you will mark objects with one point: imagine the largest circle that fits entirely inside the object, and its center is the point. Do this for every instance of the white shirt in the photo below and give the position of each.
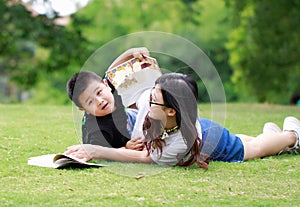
(175, 145)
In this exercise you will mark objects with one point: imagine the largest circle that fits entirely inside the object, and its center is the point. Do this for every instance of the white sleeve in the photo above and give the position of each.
(143, 108)
(199, 129)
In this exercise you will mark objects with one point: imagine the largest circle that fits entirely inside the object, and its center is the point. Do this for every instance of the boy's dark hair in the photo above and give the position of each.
(78, 83)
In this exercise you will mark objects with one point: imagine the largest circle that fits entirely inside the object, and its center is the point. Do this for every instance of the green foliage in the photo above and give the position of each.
(23, 36)
(32, 130)
(42, 49)
(201, 22)
(210, 34)
(264, 49)
(253, 44)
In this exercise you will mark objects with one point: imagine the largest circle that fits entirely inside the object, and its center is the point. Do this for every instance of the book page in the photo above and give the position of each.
(42, 161)
(60, 161)
(77, 161)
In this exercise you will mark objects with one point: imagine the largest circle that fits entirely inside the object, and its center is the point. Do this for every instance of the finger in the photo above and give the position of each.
(138, 55)
(134, 139)
(139, 143)
(137, 146)
(78, 155)
(68, 152)
(144, 51)
(72, 149)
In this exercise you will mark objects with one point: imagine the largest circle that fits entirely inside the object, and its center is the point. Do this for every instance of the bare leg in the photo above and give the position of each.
(267, 144)
(245, 138)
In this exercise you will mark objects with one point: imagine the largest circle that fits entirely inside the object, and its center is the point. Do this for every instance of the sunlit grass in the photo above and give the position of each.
(27, 131)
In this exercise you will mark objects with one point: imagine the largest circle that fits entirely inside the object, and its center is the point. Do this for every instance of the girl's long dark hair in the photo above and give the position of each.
(180, 92)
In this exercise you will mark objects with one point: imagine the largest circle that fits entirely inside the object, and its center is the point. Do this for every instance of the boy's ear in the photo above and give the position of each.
(81, 109)
(171, 112)
(105, 82)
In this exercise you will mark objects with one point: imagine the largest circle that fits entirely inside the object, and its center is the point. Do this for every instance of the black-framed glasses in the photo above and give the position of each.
(154, 103)
(150, 103)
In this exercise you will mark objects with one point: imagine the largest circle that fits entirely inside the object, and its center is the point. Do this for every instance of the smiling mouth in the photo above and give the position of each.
(104, 106)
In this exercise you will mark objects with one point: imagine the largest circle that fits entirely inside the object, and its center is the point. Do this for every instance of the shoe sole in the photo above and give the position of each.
(293, 124)
(271, 127)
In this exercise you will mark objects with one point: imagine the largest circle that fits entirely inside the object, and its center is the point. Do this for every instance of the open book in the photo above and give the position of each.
(133, 77)
(60, 161)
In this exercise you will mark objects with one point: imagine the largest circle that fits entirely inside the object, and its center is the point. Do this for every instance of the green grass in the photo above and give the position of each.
(27, 131)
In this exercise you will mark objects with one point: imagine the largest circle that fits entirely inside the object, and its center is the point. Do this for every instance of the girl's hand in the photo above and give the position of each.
(83, 152)
(135, 144)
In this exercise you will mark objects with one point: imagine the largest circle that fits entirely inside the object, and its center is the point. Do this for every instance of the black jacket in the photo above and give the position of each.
(107, 131)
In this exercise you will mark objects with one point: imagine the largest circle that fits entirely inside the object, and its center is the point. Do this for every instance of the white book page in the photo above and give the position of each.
(42, 161)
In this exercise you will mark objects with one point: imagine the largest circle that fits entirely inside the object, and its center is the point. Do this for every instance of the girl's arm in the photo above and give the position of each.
(88, 152)
(130, 53)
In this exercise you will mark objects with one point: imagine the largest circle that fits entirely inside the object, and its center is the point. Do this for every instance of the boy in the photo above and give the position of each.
(104, 107)
(105, 121)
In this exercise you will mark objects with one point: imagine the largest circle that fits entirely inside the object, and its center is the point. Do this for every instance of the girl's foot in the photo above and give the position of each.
(272, 128)
(293, 124)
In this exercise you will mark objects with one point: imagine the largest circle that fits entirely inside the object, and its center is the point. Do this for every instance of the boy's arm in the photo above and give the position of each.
(130, 53)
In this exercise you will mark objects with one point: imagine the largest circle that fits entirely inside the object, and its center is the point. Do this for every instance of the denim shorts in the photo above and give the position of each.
(219, 143)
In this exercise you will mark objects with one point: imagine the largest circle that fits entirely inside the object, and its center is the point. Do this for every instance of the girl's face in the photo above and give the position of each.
(156, 118)
(158, 109)
(157, 104)
(97, 99)
(156, 98)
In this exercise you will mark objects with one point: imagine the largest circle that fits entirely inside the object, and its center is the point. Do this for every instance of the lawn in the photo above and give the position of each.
(27, 131)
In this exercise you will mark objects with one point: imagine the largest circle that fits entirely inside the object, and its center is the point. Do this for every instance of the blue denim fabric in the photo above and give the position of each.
(219, 143)
(131, 114)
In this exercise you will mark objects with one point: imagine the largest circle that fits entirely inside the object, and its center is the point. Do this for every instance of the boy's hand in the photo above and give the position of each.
(137, 52)
(140, 52)
(135, 144)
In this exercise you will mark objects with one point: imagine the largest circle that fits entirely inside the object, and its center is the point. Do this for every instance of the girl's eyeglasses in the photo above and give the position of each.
(154, 103)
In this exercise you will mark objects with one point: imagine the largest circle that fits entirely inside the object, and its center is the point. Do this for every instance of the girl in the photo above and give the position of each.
(176, 137)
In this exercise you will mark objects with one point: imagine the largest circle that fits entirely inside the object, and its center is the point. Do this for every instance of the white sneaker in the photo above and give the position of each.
(293, 124)
(271, 127)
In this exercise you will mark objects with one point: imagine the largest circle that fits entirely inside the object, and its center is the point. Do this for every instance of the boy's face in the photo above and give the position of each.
(97, 99)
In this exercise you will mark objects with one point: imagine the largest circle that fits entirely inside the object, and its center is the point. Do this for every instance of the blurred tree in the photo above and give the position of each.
(207, 24)
(57, 52)
(264, 49)
(203, 22)
(31, 46)
(263, 46)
